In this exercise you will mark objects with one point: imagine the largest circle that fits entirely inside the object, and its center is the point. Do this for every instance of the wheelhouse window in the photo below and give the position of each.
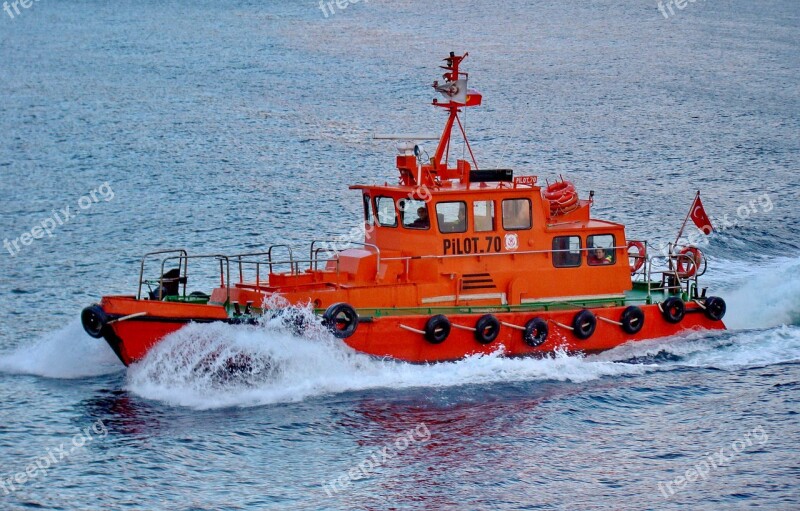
(386, 213)
(566, 251)
(415, 214)
(452, 216)
(601, 250)
(368, 217)
(516, 214)
(483, 215)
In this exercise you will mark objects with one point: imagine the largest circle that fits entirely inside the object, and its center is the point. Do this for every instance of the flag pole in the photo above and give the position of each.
(680, 233)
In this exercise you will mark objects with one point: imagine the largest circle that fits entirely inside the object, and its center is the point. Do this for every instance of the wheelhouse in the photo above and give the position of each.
(503, 233)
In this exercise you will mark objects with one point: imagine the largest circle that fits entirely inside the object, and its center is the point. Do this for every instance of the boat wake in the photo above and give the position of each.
(290, 368)
(286, 368)
(65, 353)
(759, 295)
(219, 365)
(764, 305)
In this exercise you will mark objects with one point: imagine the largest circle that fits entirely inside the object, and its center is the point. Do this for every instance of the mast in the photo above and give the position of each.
(415, 172)
(458, 96)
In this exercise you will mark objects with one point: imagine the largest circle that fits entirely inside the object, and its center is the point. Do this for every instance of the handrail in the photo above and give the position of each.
(238, 257)
(141, 268)
(291, 256)
(314, 258)
(294, 262)
(336, 252)
(225, 277)
(269, 261)
(671, 259)
(520, 252)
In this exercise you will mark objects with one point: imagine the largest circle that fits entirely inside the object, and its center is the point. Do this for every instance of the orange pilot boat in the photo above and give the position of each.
(455, 261)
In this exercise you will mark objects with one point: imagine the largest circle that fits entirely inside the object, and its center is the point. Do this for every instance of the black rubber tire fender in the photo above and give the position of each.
(341, 319)
(535, 333)
(584, 324)
(632, 319)
(715, 308)
(94, 321)
(437, 328)
(673, 309)
(487, 328)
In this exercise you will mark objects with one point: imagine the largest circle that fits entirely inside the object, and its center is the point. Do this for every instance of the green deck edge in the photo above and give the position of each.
(638, 295)
(635, 296)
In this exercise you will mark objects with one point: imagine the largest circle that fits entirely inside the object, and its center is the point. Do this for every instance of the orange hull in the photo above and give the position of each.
(385, 337)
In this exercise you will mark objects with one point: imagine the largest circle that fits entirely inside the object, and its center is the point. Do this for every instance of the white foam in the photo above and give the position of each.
(188, 368)
(748, 348)
(726, 350)
(65, 353)
(762, 295)
(290, 368)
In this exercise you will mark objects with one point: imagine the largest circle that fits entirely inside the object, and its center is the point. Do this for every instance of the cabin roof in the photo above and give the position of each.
(476, 188)
(590, 224)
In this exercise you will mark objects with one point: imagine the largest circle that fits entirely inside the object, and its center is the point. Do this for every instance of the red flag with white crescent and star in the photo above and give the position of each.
(699, 216)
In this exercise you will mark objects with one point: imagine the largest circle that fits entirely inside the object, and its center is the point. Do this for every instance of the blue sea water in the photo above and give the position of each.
(223, 127)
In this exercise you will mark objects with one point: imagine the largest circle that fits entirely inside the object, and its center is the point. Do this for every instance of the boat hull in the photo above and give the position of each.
(132, 327)
(386, 338)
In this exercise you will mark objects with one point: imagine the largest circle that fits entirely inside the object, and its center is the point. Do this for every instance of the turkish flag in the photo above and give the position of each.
(699, 216)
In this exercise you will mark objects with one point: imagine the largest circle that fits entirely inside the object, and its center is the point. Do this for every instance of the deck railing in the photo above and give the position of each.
(670, 279)
(183, 271)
